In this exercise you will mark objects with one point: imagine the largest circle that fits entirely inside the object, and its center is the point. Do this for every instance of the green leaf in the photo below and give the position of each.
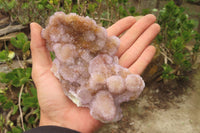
(3, 90)
(37, 111)
(30, 102)
(40, 7)
(4, 55)
(26, 47)
(132, 10)
(33, 91)
(187, 65)
(3, 78)
(8, 105)
(50, 7)
(167, 68)
(99, 1)
(17, 77)
(28, 72)
(178, 57)
(21, 42)
(24, 80)
(31, 120)
(53, 56)
(2, 120)
(145, 11)
(15, 109)
(22, 37)
(16, 82)
(75, 9)
(10, 76)
(14, 43)
(122, 11)
(196, 48)
(25, 5)
(19, 72)
(25, 109)
(11, 4)
(3, 99)
(167, 72)
(154, 10)
(17, 130)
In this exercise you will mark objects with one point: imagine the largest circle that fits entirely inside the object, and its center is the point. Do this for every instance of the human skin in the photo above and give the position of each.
(56, 108)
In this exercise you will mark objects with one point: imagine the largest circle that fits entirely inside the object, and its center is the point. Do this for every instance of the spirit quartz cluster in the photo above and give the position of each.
(87, 67)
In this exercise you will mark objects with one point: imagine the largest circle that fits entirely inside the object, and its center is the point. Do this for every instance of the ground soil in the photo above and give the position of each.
(159, 111)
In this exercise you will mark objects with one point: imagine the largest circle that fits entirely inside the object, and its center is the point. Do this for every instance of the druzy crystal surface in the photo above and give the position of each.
(87, 66)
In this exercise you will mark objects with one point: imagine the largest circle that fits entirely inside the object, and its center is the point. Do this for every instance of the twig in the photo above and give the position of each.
(166, 57)
(107, 2)
(8, 116)
(78, 3)
(20, 109)
(5, 131)
(10, 29)
(36, 119)
(11, 92)
(164, 52)
(29, 114)
(18, 121)
(20, 64)
(29, 61)
(104, 19)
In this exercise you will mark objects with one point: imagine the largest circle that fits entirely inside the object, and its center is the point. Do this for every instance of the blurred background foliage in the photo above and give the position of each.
(177, 46)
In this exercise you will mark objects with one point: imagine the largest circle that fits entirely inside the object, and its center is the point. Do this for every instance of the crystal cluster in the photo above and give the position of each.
(87, 67)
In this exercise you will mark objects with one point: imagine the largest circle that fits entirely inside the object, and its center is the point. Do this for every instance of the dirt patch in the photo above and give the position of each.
(153, 113)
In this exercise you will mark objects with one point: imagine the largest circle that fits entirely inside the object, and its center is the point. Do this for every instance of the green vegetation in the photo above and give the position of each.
(194, 1)
(105, 11)
(178, 44)
(177, 32)
(19, 97)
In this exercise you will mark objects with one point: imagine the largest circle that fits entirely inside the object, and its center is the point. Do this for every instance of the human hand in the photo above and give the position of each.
(135, 52)
(56, 108)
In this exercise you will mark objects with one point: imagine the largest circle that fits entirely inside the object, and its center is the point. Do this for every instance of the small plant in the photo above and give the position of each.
(21, 42)
(27, 11)
(19, 97)
(194, 1)
(177, 32)
(103, 11)
(6, 55)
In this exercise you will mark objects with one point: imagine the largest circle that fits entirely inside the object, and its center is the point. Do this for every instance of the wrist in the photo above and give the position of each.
(68, 123)
(45, 121)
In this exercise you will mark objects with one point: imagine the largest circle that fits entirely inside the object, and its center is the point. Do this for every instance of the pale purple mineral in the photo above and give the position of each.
(87, 67)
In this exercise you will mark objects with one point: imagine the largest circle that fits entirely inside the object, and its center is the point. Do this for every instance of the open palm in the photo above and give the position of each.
(134, 53)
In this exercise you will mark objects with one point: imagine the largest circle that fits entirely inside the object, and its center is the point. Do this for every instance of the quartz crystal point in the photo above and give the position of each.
(87, 67)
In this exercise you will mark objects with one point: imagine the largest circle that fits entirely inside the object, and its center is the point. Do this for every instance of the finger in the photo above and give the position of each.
(121, 26)
(134, 32)
(40, 55)
(139, 66)
(131, 55)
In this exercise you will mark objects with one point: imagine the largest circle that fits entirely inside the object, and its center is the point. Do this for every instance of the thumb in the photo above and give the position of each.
(40, 55)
